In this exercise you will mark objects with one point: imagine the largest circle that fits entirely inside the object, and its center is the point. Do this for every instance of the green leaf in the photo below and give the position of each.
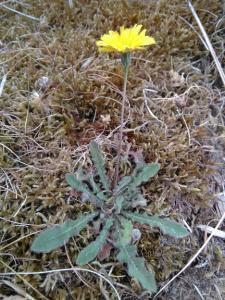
(123, 183)
(167, 226)
(91, 251)
(124, 233)
(101, 195)
(145, 173)
(128, 255)
(141, 174)
(99, 164)
(138, 200)
(58, 235)
(83, 188)
(77, 184)
(119, 203)
(136, 267)
(94, 185)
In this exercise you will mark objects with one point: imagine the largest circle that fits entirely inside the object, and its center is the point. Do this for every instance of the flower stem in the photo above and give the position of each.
(126, 62)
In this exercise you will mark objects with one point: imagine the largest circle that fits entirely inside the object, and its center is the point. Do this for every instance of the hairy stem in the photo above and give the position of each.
(125, 62)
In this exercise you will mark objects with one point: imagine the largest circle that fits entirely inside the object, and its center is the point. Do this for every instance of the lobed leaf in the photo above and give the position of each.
(167, 226)
(57, 236)
(91, 251)
(128, 255)
(99, 164)
(136, 267)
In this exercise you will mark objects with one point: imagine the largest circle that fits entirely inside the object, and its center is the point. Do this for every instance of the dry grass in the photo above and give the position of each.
(175, 116)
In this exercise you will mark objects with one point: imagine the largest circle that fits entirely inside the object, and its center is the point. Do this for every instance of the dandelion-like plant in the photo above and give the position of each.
(124, 42)
(115, 207)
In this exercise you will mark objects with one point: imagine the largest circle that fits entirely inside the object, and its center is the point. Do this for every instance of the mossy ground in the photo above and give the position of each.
(175, 117)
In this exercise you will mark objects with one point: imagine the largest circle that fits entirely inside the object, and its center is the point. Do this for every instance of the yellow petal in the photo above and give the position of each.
(127, 39)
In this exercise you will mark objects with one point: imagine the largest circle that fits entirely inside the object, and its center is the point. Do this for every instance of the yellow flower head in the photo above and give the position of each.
(127, 40)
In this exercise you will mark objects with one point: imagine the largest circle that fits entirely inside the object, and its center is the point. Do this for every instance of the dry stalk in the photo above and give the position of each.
(208, 43)
(121, 126)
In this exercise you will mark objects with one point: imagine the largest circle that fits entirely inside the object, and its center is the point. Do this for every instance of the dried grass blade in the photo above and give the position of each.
(2, 84)
(19, 12)
(209, 44)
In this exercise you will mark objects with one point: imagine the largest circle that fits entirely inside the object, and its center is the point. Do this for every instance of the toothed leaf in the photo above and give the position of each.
(93, 184)
(57, 236)
(91, 251)
(99, 164)
(141, 174)
(77, 184)
(167, 226)
(145, 173)
(135, 265)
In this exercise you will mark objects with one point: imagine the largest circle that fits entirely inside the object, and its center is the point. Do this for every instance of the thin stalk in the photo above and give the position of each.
(118, 161)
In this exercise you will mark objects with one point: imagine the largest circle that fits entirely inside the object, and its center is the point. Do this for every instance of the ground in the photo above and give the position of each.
(60, 94)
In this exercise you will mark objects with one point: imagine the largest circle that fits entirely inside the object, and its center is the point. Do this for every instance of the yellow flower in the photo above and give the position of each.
(127, 40)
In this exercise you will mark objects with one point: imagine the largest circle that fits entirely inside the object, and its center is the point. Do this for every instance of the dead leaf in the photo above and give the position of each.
(104, 252)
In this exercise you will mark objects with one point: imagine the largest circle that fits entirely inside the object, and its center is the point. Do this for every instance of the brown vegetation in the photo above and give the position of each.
(60, 94)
